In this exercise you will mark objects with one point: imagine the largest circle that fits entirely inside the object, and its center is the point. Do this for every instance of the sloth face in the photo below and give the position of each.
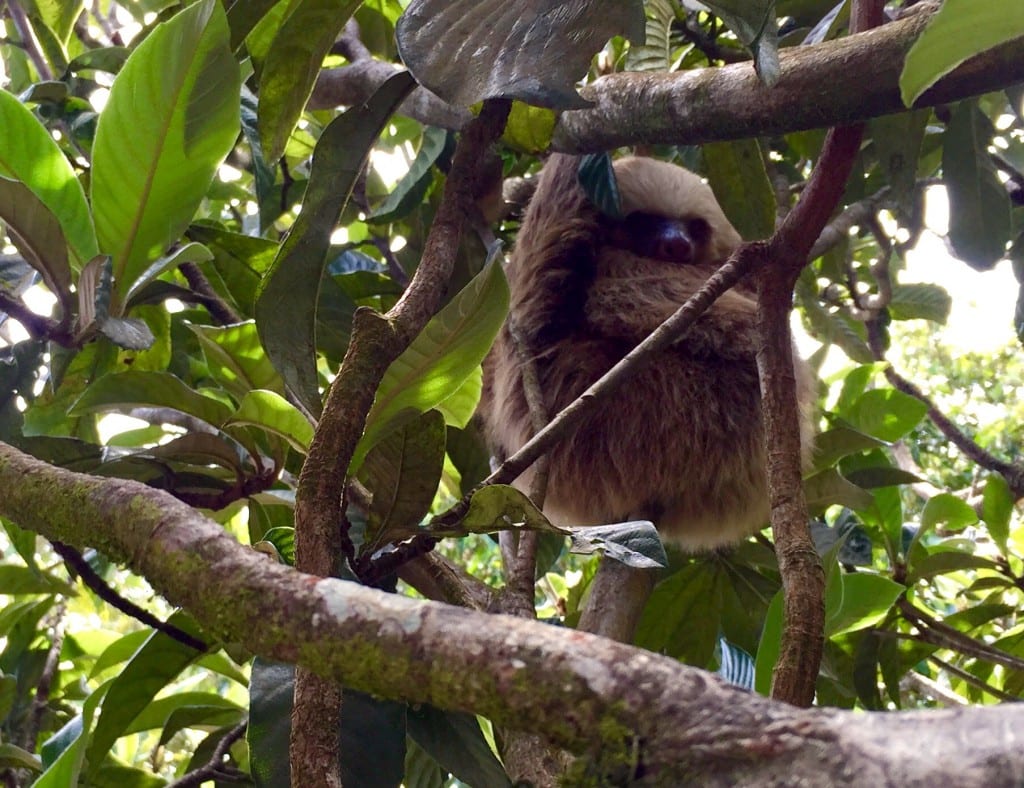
(670, 240)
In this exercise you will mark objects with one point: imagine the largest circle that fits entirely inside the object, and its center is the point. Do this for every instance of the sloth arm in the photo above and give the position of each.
(630, 307)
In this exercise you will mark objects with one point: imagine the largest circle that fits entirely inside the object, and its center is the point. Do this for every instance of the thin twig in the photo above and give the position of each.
(937, 633)
(214, 768)
(219, 309)
(98, 586)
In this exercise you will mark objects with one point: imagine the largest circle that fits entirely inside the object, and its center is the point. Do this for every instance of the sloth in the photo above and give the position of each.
(681, 444)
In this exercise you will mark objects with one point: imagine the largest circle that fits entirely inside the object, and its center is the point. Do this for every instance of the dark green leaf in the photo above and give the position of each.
(292, 64)
(402, 472)
(997, 508)
(37, 233)
(830, 487)
(455, 741)
(737, 174)
(753, 22)
(979, 208)
(372, 733)
(681, 617)
(151, 669)
(286, 305)
(127, 390)
(926, 301)
(946, 561)
(880, 476)
(409, 191)
(832, 445)
(597, 177)
(30, 155)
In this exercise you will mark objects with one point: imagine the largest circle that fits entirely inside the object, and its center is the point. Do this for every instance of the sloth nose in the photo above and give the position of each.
(674, 246)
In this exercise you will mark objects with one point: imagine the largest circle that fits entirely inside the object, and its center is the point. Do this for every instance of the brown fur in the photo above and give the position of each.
(680, 444)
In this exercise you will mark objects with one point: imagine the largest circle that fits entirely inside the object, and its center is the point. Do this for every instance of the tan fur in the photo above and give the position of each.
(681, 443)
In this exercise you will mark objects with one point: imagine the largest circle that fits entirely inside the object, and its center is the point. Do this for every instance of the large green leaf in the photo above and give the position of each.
(737, 174)
(886, 413)
(440, 360)
(171, 118)
(271, 411)
(236, 359)
(863, 599)
(29, 154)
(960, 29)
(292, 64)
(132, 389)
(286, 305)
(753, 22)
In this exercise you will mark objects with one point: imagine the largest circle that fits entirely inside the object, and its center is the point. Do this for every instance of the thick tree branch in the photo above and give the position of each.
(836, 82)
(596, 697)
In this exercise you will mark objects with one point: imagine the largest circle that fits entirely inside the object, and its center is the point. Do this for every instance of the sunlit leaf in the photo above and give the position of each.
(959, 30)
(30, 155)
(170, 119)
(127, 390)
(438, 362)
(271, 411)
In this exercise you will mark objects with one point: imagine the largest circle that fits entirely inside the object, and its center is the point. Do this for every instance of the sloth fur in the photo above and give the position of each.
(680, 444)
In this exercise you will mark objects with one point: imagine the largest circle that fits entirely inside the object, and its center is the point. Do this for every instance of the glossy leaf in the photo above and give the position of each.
(170, 119)
(127, 390)
(440, 360)
(997, 504)
(469, 50)
(272, 412)
(455, 741)
(30, 155)
(887, 414)
(286, 305)
(865, 600)
(236, 358)
(633, 543)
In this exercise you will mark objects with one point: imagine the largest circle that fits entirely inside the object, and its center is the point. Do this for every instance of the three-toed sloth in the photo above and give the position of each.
(681, 443)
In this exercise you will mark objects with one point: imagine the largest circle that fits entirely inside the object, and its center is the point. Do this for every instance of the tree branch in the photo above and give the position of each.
(612, 699)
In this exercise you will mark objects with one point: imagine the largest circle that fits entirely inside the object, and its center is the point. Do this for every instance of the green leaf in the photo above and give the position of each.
(292, 64)
(946, 561)
(64, 752)
(946, 508)
(753, 22)
(13, 756)
(188, 253)
(865, 600)
(832, 445)
(528, 128)
(272, 412)
(286, 305)
(655, 53)
(152, 668)
(886, 413)
(769, 648)
(236, 359)
(455, 741)
(498, 507)
(243, 15)
(37, 233)
(880, 476)
(738, 177)
(127, 390)
(960, 29)
(831, 327)
(830, 487)
(920, 301)
(402, 472)
(439, 361)
(16, 579)
(997, 503)
(58, 15)
(979, 208)
(372, 733)
(171, 118)
(30, 155)
(681, 618)
(409, 191)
